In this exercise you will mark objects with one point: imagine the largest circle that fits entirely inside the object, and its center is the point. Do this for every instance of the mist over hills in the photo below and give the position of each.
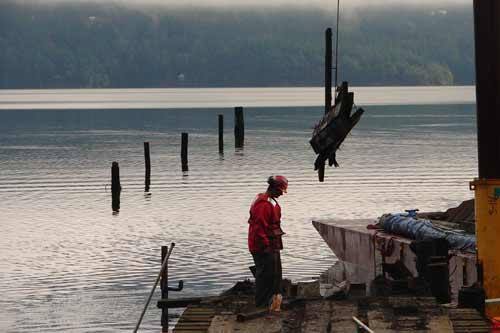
(88, 45)
(324, 4)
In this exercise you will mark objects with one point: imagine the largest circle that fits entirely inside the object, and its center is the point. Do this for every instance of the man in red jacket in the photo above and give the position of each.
(264, 240)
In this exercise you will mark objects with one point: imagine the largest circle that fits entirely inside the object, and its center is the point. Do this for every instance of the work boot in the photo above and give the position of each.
(276, 303)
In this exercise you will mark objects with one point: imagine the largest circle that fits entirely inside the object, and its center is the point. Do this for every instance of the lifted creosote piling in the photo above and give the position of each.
(328, 87)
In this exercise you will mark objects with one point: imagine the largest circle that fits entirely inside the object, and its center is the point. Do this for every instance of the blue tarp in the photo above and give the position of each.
(422, 229)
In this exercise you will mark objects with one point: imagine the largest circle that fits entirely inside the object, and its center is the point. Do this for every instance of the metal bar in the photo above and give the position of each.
(164, 290)
(362, 325)
(154, 287)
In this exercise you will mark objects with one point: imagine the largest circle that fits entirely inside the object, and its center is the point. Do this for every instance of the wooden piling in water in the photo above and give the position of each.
(116, 187)
(239, 127)
(164, 290)
(147, 164)
(184, 152)
(221, 134)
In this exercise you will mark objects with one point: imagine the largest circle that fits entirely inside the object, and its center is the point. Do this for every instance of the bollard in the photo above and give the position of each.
(221, 134)
(116, 188)
(239, 127)
(147, 164)
(184, 152)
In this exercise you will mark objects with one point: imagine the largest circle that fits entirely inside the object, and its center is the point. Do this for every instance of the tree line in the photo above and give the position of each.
(95, 45)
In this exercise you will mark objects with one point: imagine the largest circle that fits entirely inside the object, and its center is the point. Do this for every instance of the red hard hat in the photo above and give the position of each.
(279, 181)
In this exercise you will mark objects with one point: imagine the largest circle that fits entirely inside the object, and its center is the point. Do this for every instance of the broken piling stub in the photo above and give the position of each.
(147, 165)
(184, 152)
(221, 134)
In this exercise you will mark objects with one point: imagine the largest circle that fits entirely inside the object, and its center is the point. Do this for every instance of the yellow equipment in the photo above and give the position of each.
(487, 193)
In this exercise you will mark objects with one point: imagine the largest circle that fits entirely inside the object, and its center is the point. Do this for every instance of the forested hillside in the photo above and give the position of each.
(89, 45)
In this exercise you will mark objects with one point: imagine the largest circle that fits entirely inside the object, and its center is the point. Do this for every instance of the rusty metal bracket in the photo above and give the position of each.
(179, 288)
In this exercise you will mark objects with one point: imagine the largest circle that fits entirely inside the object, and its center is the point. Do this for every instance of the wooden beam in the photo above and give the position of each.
(179, 302)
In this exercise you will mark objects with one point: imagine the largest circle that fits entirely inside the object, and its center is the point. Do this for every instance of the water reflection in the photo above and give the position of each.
(240, 152)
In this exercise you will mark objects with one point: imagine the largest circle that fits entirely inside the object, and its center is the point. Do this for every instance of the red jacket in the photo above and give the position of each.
(264, 230)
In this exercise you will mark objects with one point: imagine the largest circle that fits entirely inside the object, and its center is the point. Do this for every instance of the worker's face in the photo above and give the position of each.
(276, 192)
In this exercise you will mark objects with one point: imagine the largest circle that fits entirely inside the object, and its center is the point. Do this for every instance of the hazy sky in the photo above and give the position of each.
(294, 2)
(260, 3)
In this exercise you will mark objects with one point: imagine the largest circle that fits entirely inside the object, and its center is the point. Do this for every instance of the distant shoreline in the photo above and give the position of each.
(206, 98)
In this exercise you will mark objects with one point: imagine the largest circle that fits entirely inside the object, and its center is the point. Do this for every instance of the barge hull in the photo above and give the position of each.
(361, 249)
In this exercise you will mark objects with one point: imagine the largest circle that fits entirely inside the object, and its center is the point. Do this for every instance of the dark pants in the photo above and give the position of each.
(267, 277)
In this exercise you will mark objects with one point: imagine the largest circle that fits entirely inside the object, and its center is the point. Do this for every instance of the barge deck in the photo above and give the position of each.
(381, 314)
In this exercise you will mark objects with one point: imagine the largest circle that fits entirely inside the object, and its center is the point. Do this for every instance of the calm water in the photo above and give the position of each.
(68, 265)
(63, 99)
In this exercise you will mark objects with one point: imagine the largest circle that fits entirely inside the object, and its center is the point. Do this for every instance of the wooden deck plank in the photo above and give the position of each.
(195, 319)
(468, 320)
